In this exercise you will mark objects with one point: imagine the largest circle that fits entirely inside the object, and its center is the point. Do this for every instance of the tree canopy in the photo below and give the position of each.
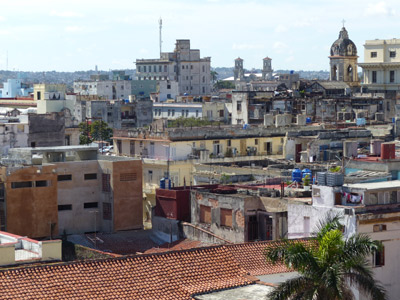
(328, 268)
(95, 131)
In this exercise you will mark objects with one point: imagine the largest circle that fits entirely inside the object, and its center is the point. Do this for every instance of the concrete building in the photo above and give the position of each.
(175, 110)
(368, 208)
(46, 130)
(238, 71)
(49, 91)
(381, 70)
(343, 60)
(236, 216)
(70, 190)
(104, 89)
(183, 66)
(15, 249)
(14, 88)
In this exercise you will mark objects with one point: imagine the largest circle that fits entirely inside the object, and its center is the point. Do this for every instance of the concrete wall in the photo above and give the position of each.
(46, 130)
(7, 254)
(51, 250)
(236, 233)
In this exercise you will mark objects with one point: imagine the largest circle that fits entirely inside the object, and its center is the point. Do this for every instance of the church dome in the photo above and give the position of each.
(343, 46)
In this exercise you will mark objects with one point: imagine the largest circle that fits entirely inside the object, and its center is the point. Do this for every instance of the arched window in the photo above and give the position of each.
(350, 72)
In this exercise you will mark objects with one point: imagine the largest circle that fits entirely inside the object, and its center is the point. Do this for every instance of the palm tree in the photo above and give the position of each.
(329, 266)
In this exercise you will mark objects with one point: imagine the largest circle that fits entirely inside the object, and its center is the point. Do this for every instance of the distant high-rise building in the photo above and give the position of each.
(184, 66)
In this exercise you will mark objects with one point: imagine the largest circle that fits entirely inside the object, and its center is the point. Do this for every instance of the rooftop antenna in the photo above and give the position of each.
(160, 23)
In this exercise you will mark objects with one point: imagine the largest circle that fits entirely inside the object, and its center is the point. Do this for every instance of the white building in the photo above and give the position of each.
(381, 66)
(14, 88)
(104, 89)
(175, 110)
(368, 208)
(184, 66)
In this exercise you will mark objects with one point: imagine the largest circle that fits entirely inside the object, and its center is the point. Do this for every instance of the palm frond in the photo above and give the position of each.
(292, 289)
(368, 285)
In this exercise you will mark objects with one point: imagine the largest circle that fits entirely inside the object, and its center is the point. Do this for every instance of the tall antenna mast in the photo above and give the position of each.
(160, 23)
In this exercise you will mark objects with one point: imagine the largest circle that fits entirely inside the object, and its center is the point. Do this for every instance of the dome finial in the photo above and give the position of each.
(343, 21)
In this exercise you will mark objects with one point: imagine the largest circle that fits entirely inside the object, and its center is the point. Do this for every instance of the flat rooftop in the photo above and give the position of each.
(375, 185)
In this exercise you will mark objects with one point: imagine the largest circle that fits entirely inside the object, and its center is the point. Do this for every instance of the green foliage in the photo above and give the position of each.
(329, 266)
(224, 85)
(228, 152)
(190, 122)
(96, 131)
(306, 180)
(335, 169)
(225, 178)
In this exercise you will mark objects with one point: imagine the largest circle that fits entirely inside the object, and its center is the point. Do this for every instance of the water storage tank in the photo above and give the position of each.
(334, 179)
(296, 175)
(165, 183)
(308, 120)
(388, 151)
(321, 178)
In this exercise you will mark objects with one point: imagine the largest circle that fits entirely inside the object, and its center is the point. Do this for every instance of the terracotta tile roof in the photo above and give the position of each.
(171, 275)
(251, 257)
(182, 244)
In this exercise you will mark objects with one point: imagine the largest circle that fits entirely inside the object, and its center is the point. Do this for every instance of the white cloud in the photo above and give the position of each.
(279, 46)
(290, 58)
(66, 14)
(379, 9)
(73, 29)
(280, 29)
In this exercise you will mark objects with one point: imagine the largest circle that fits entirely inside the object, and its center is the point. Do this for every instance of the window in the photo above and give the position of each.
(187, 113)
(183, 67)
(226, 217)
(67, 177)
(38, 95)
(165, 68)
(229, 143)
(203, 68)
(132, 143)
(379, 227)
(20, 185)
(90, 205)
(159, 68)
(42, 183)
(239, 105)
(144, 69)
(374, 54)
(392, 53)
(127, 177)
(197, 113)
(149, 68)
(105, 180)
(255, 141)
(65, 207)
(169, 112)
(168, 86)
(191, 67)
(374, 76)
(138, 68)
(391, 73)
(173, 112)
(204, 79)
(204, 90)
(90, 176)
(379, 257)
(205, 214)
(106, 211)
(150, 177)
(316, 192)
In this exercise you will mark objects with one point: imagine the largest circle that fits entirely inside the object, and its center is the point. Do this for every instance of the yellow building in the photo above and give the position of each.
(40, 91)
(173, 152)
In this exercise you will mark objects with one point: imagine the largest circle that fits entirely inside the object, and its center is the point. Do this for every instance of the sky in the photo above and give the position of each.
(46, 35)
